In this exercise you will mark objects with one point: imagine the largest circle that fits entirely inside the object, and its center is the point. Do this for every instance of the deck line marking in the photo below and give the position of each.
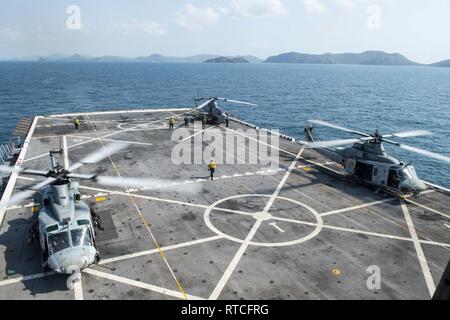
(422, 260)
(273, 224)
(138, 284)
(364, 205)
(427, 208)
(73, 135)
(78, 290)
(13, 177)
(165, 248)
(227, 274)
(66, 153)
(118, 112)
(113, 192)
(193, 135)
(237, 257)
(163, 256)
(26, 278)
(102, 137)
(380, 235)
(285, 151)
(122, 141)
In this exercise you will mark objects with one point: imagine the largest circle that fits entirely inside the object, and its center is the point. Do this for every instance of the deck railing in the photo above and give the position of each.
(7, 153)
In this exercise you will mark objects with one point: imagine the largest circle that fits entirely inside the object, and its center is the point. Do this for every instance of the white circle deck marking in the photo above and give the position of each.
(265, 216)
(262, 216)
(144, 127)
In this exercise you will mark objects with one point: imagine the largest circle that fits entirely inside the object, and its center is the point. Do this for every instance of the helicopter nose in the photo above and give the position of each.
(420, 186)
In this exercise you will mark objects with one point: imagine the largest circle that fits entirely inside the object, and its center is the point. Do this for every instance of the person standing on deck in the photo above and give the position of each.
(227, 121)
(212, 168)
(204, 122)
(76, 123)
(171, 123)
(186, 122)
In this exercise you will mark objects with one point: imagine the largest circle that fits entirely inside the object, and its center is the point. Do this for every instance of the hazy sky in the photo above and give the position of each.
(418, 29)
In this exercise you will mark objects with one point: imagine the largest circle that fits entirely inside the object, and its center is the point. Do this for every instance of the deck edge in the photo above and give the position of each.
(13, 178)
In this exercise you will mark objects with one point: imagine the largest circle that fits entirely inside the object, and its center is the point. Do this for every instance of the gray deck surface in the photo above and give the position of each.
(319, 248)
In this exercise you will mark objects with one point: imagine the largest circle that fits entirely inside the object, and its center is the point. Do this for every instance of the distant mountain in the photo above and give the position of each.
(156, 57)
(443, 64)
(227, 60)
(110, 58)
(194, 59)
(365, 58)
(60, 57)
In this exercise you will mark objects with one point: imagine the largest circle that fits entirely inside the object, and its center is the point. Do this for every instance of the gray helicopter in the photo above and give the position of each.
(66, 225)
(210, 109)
(367, 161)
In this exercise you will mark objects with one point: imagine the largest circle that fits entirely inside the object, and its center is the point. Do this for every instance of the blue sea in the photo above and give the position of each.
(365, 98)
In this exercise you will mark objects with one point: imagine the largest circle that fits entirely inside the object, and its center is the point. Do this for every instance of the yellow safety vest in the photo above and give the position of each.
(172, 121)
(212, 165)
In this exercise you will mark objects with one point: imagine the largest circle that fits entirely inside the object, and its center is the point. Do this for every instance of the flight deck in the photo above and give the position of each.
(297, 231)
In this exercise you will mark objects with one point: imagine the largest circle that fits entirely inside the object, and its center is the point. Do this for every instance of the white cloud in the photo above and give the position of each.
(193, 17)
(314, 6)
(10, 34)
(259, 7)
(135, 25)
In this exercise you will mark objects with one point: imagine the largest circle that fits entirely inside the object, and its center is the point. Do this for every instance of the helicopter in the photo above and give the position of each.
(65, 224)
(210, 109)
(366, 161)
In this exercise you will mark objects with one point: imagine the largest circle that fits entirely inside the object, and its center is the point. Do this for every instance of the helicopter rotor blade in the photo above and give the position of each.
(20, 196)
(238, 102)
(423, 152)
(9, 169)
(164, 185)
(333, 143)
(327, 124)
(407, 134)
(35, 172)
(204, 104)
(100, 154)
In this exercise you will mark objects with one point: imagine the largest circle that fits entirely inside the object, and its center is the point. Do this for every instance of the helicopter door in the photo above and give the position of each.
(393, 178)
(364, 171)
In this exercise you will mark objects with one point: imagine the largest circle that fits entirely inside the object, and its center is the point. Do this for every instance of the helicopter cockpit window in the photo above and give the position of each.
(58, 241)
(52, 228)
(81, 237)
(83, 222)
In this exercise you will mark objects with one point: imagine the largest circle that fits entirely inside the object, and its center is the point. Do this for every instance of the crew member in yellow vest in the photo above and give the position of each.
(212, 167)
(171, 123)
(76, 123)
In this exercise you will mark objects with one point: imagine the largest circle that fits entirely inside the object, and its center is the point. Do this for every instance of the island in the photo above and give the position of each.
(364, 58)
(227, 60)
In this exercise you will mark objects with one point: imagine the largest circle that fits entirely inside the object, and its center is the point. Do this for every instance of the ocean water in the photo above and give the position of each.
(364, 98)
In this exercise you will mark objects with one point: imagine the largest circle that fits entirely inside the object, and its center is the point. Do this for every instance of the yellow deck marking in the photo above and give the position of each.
(336, 272)
(147, 225)
(100, 199)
